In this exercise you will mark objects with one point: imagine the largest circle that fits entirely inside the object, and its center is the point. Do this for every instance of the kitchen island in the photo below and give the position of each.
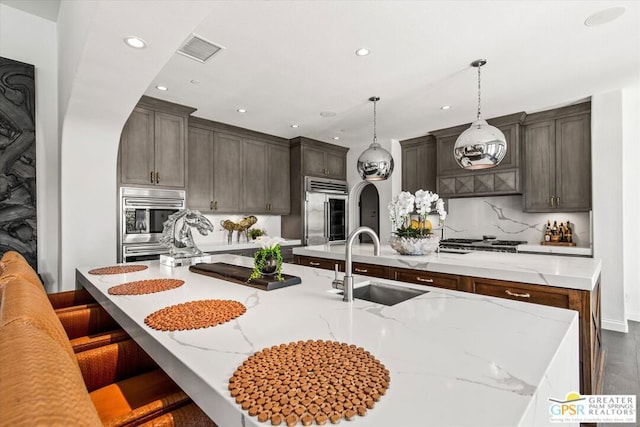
(558, 281)
(455, 359)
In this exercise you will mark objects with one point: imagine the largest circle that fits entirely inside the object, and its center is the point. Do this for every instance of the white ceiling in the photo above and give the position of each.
(287, 61)
(47, 9)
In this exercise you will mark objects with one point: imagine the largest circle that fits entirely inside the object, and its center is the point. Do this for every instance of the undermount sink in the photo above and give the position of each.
(381, 293)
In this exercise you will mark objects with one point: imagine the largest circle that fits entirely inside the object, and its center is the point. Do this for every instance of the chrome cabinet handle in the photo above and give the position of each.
(211, 205)
(315, 264)
(514, 294)
(157, 177)
(151, 177)
(558, 201)
(552, 201)
(215, 205)
(420, 279)
(360, 270)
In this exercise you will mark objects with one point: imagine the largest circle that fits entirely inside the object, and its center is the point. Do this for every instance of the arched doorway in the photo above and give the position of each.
(369, 208)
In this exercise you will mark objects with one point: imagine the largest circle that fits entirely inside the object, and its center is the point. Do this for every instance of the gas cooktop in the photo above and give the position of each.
(467, 245)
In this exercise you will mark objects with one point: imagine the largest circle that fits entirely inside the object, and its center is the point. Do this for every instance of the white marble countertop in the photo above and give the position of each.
(559, 250)
(234, 246)
(455, 359)
(560, 271)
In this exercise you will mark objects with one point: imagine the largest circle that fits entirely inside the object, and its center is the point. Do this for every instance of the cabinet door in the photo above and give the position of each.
(200, 158)
(439, 280)
(447, 164)
(336, 165)
(411, 169)
(573, 163)
(136, 148)
(545, 295)
(539, 167)
(327, 264)
(227, 177)
(169, 150)
(255, 185)
(313, 162)
(279, 180)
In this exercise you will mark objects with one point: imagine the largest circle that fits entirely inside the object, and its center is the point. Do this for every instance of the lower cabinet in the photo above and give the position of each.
(586, 303)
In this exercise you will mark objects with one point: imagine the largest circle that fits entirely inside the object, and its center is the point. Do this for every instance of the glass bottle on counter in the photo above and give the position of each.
(569, 233)
(547, 232)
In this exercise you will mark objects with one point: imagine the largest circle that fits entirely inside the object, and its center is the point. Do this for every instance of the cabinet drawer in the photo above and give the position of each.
(370, 270)
(438, 280)
(327, 264)
(555, 297)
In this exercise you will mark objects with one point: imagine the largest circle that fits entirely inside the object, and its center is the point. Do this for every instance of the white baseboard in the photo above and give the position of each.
(634, 315)
(615, 325)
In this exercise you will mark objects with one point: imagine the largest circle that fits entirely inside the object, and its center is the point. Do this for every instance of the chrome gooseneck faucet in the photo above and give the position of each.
(347, 283)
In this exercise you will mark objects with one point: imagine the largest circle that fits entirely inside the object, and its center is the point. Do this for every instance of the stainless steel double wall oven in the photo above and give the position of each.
(142, 214)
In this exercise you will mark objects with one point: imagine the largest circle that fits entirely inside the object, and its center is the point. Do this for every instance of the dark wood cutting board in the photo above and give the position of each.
(240, 275)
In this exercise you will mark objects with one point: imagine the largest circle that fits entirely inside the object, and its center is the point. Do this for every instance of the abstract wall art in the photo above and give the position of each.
(18, 227)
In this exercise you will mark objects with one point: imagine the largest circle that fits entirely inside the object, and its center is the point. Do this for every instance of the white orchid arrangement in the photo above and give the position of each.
(267, 242)
(423, 203)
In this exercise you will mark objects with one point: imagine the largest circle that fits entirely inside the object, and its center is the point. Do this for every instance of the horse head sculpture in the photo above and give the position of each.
(179, 240)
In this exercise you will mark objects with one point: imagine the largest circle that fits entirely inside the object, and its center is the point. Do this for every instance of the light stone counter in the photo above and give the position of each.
(455, 359)
(557, 250)
(560, 271)
(234, 246)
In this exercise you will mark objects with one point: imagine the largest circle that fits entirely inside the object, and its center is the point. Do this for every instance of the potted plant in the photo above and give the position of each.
(268, 259)
(411, 237)
(254, 233)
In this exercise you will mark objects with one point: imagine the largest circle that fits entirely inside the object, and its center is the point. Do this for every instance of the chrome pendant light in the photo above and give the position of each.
(375, 163)
(481, 146)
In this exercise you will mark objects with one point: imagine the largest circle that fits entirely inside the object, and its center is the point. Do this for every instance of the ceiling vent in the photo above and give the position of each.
(198, 49)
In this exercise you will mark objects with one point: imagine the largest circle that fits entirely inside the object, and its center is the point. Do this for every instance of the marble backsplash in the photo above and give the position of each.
(503, 217)
(268, 223)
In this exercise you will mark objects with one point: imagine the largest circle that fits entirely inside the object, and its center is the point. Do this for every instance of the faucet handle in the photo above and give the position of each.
(337, 283)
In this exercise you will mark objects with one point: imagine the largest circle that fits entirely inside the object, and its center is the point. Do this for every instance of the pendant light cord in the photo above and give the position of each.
(375, 136)
(478, 117)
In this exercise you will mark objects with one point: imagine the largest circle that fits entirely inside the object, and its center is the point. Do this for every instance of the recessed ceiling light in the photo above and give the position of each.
(363, 51)
(336, 138)
(327, 114)
(445, 107)
(162, 88)
(135, 42)
(295, 126)
(241, 110)
(195, 82)
(604, 16)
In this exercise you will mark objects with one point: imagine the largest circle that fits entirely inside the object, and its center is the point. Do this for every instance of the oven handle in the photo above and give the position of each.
(154, 203)
(145, 250)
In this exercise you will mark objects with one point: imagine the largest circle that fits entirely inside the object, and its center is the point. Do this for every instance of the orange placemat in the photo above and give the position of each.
(195, 315)
(309, 382)
(118, 269)
(141, 287)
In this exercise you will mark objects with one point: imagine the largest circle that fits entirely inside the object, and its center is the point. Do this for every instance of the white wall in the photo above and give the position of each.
(100, 83)
(631, 199)
(607, 157)
(31, 39)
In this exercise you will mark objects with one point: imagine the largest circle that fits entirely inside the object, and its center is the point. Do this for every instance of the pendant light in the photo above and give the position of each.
(481, 146)
(375, 163)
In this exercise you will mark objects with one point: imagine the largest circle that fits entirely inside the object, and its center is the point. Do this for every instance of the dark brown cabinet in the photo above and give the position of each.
(439, 280)
(557, 159)
(419, 163)
(504, 179)
(320, 159)
(152, 144)
(232, 170)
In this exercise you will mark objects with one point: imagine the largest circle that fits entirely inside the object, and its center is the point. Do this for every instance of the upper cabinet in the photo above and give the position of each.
(233, 170)
(453, 181)
(152, 144)
(557, 155)
(321, 159)
(419, 163)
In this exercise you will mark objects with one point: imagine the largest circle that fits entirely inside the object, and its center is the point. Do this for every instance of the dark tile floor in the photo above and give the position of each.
(622, 364)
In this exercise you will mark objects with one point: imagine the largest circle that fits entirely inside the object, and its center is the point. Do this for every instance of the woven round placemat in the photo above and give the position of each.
(195, 315)
(118, 269)
(141, 287)
(311, 382)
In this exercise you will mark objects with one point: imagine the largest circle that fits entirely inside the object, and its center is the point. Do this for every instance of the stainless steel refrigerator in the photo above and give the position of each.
(325, 211)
